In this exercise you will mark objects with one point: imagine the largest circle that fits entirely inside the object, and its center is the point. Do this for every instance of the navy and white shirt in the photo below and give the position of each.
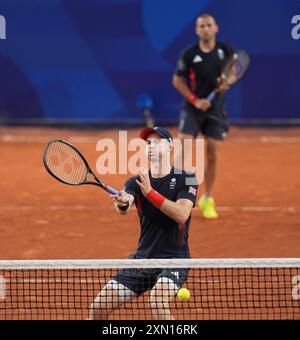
(162, 237)
(201, 69)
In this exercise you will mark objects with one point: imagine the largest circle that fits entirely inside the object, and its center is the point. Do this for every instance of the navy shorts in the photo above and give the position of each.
(193, 122)
(142, 280)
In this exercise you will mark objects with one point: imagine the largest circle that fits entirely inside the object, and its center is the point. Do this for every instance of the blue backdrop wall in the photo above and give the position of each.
(88, 60)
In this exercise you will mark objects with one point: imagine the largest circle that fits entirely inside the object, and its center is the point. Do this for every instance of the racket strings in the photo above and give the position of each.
(237, 67)
(65, 163)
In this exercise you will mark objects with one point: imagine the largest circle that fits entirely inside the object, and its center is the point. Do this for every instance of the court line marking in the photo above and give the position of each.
(7, 138)
(265, 139)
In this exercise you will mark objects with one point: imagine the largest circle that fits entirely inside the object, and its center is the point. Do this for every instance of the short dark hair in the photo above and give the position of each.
(206, 15)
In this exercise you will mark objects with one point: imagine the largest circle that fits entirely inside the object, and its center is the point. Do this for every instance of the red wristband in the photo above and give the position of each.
(155, 198)
(192, 99)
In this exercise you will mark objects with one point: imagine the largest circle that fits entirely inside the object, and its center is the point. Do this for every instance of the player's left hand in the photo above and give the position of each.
(144, 183)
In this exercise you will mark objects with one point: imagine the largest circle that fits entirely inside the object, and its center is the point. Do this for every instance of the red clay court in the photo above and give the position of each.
(257, 193)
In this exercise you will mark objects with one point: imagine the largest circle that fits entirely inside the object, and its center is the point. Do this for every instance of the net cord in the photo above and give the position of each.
(153, 263)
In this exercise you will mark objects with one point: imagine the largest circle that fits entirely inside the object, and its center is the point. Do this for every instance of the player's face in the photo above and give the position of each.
(206, 28)
(156, 147)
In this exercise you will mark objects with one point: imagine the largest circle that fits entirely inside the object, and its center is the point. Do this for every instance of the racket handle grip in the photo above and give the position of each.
(111, 190)
(211, 96)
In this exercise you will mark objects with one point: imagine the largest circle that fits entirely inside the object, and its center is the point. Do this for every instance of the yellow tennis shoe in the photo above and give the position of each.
(208, 207)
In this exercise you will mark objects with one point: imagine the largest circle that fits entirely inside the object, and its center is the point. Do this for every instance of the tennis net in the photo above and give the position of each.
(219, 289)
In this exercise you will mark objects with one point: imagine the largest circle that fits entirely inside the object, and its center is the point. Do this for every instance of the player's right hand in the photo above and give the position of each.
(223, 85)
(121, 199)
(202, 104)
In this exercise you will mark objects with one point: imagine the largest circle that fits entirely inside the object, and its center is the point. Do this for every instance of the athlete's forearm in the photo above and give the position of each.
(178, 211)
(175, 211)
(181, 87)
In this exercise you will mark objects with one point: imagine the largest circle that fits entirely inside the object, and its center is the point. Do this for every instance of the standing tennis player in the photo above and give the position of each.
(197, 75)
(164, 203)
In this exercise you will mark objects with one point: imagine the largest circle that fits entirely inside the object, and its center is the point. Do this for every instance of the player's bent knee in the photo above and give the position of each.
(212, 157)
(98, 313)
(213, 145)
(108, 299)
(160, 305)
(157, 301)
(100, 309)
(162, 293)
(159, 308)
(212, 152)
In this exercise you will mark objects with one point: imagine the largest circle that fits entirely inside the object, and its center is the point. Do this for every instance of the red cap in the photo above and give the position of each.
(160, 131)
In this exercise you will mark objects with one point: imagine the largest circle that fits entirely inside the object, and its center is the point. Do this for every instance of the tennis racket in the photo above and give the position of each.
(66, 164)
(233, 70)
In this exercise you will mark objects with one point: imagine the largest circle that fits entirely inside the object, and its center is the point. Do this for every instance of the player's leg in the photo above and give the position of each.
(161, 296)
(164, 291)
(117, 291)
(214, 132)
(212, 154)
(111, 297)
(188, 129)
(107, 300)
(207, 202)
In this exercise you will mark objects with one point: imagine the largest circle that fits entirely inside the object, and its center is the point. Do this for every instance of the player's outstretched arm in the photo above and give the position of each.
(181, 87)
(178, 211)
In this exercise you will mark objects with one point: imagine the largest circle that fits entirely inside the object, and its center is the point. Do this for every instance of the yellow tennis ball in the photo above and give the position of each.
(183, 294)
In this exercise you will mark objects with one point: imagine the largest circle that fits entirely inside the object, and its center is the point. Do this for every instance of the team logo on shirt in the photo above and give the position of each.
(172, 183)
(192, 191)
(221, 54)
(197, 59)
